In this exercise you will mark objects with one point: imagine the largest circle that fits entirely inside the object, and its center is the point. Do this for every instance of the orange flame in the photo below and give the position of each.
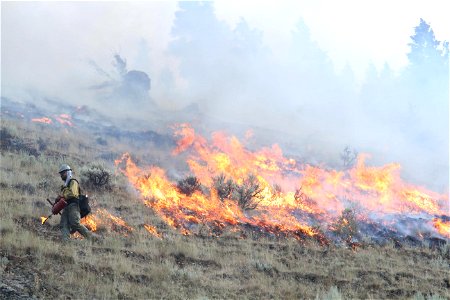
(304, 190)
(442, 227)
(117, 222)
(43, 219)
(65, 119)
(152, 230)
(103, 217)
(91, 222)
(42, 120)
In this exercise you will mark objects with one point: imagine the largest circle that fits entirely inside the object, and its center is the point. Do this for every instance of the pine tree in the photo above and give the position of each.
(426, 53)
(426, 79)
(426, 89)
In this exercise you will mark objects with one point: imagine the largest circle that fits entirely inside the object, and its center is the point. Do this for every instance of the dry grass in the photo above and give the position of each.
(34, 262)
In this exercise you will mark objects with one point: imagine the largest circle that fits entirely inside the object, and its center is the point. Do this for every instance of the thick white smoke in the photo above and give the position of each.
(225, 76)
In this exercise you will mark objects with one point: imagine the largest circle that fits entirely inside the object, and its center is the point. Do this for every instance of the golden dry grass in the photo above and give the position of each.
(35, 263)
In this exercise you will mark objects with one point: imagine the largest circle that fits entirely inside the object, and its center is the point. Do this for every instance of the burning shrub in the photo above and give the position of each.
(302, 198)
(348, 157)
(277, 190)
(248, 193)
(223, 186)
(189, 185)
(346, 226)
(95, 177)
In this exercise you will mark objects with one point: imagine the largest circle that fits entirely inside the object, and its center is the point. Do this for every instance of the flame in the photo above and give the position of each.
(42, 120)
(43, 219)
(101, 217)
(91, 222)
(152, 230)
(307, 195)
(443, 227)
(65, 119)
(115, 221)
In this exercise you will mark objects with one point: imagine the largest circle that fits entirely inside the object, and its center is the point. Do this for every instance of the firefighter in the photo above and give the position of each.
(70, 218)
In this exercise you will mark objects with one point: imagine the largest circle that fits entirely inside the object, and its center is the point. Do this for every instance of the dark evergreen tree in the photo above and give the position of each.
(425, 51)
(428, 68)
(426, 88)
(427, 75)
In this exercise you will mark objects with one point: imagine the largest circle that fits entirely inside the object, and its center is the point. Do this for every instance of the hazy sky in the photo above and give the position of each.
(349, 31)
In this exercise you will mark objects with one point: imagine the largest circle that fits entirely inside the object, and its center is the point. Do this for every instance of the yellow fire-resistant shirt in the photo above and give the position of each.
(71, 191)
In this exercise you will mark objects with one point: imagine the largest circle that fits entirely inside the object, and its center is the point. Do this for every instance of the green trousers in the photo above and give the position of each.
(70, 219)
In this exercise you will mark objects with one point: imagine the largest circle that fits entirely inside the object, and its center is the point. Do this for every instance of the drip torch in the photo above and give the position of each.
(57, 206)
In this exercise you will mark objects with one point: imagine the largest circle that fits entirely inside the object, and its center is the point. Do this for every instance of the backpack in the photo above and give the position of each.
(83, 202)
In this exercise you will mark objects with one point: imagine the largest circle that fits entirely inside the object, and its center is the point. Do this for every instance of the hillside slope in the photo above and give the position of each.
(133, 262)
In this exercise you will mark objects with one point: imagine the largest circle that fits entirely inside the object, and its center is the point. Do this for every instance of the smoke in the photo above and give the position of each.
(62, 50)
(225, 76)
(232, 75)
